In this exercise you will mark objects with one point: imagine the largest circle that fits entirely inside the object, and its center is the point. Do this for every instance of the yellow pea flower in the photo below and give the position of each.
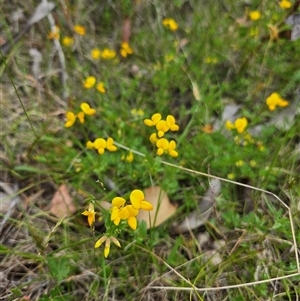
(137, 199)
(100, 87)
(155, 118)
(80, 116)
(108, 54)
(170, 24)
(67, 41)
(71, 118)
(241, 124)
(85, 107)
(125, 49)
(110, 145)
(89, 82)
(90, 213)
(285, 4)
(255, 15)
(96, 53)
(79, 29)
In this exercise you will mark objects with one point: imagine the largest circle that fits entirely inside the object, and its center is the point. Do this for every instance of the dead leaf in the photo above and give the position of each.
(62, 203)
(162, 208)
(198, 217)
(126, 30)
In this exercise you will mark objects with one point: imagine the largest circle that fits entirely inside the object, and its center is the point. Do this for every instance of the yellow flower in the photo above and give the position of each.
(90, 213)
(67, 41)
(125, 49)
(231, 176)
(71, 118)
(138, 201)
(100, 145)
(110, 145)
(154, 120)
(285, 4)
(100, 87)
(170, 24)
(162, 146)
(79, 29)
(172, 152)
(80, 116)
(131, 220)
(95, 53)
(153, 138)
(171, 122)
(241, 124)
(255, 15)
(229, 125)
(89, 82)
(108, 54)
(162, 128)
(275, 100)
(54, 33)
(128, 158)
(90, 145)
(85, 107)
(119, 210)
(252, 163)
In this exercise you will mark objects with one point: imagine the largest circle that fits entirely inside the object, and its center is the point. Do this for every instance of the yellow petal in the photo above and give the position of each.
(132, 222)
(107, 247)
(100, 241)
(136, 197)
(146, 206)
(118, 201)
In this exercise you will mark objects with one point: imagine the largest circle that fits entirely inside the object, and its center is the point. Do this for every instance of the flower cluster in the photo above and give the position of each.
(163, 126)
(275, 100)
(100, 144)
(106, 54)
(239, 125)
(90, 82)
(170, 24)
(125, 49)
(85, 110)
(121, 210)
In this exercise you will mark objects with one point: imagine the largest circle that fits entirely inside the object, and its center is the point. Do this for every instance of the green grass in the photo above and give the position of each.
(193, 73)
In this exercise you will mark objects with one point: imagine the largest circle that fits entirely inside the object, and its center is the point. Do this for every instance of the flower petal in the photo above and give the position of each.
(136, 197)
(146, 206)
(132, 222)
(100, 241)
(118, 201)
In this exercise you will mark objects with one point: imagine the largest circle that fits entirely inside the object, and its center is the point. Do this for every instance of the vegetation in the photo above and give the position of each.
(104, 99)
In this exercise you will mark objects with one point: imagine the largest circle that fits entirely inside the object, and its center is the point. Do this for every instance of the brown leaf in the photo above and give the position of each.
(62, 203)
(126, 30)
(162, 208)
